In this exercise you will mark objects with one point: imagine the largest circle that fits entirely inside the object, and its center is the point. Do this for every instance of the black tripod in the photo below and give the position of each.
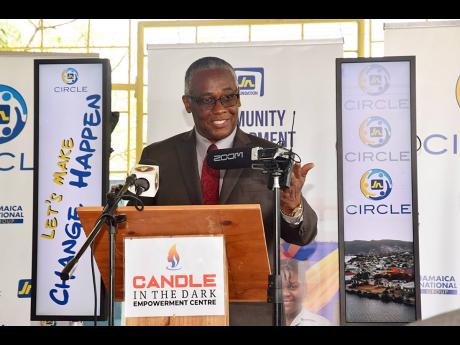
(107, 216)
(279, 170)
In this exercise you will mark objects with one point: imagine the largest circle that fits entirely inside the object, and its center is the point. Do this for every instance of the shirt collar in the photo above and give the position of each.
(203, 143)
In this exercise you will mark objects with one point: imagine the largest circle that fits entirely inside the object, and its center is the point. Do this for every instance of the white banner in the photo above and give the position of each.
(290, 77)
(16, 182)
(438, 123)
(70, 172)
(174, 276)
(275, 79)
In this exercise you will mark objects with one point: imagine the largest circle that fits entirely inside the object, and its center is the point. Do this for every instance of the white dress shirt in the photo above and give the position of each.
(202, 145)
(307, 318)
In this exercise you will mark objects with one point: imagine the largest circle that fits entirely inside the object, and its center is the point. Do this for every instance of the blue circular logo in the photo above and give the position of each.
(376, 184)
(13, 113)
(375, 131)
(70, 76)
(374, 80)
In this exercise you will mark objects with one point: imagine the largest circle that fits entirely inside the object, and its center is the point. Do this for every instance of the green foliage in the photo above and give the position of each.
(9, 35)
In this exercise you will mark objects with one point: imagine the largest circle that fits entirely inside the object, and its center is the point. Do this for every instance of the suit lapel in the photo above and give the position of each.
(186, 154)
(232, 176)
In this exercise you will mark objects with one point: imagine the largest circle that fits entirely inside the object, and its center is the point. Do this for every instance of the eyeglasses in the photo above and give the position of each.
(209, 101)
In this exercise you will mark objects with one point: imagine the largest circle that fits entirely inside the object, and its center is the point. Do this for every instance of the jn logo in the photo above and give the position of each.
(374, 80)
(375, 131)
(247, 82)
(173, 259)
(24, 288)
(250, 80)
(4, 114)
(69, 76)
(13, 113)
(376, 184)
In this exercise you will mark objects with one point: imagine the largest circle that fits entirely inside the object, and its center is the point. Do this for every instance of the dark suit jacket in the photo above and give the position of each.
(180, 185)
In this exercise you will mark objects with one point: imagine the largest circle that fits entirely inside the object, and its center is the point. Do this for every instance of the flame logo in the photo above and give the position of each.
(173, 258)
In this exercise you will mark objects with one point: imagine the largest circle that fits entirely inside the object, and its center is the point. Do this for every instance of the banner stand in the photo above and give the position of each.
(71, 160)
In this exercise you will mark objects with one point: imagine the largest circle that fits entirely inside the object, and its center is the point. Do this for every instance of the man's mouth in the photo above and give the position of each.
(219, 123)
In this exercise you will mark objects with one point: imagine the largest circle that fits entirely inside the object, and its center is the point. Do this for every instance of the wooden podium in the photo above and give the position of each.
(245, 246)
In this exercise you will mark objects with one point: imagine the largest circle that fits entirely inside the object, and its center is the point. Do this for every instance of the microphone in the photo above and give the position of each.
(233, 158)
(246, 157)
(147, 180)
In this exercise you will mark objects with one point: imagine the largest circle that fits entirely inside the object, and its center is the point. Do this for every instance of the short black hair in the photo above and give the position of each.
(290, 266)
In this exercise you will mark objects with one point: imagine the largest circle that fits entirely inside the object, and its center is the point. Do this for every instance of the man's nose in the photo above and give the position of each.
(218, 107)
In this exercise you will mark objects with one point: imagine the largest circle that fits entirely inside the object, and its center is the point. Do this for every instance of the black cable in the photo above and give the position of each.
(94, 284)
(300, 159)
(292, 140)
(139, 205)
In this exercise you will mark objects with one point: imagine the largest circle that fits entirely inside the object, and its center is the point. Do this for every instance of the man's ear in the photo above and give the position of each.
(187, 104)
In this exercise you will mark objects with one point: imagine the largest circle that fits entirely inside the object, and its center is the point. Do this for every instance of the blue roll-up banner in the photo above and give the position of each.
(71, 156)
(378, 217)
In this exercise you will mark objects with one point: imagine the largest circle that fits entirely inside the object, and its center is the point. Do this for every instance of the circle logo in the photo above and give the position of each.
(374, 80)
(375, 131)
(458, 91)
(13, 113)
(70, 76)
(376, 184)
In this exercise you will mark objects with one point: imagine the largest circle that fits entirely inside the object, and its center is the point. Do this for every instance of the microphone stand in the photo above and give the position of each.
(275, 286)
(106, 216)
(280, 171)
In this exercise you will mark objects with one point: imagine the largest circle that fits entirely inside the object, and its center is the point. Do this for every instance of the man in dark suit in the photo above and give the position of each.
(212, 96)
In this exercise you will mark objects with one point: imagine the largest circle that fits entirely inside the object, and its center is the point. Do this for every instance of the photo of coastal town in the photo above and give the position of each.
(379, 281)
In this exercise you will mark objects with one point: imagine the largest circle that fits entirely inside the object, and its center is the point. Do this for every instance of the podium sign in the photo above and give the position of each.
(174, 276)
